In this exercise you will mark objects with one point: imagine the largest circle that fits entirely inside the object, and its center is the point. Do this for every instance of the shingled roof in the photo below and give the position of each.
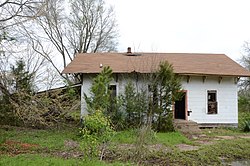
(183, 63)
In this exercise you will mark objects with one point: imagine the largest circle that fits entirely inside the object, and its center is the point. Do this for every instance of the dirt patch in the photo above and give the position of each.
(159, 148)
(245, 136)
(125, 146)
(68, 154)
(22, 145)
(185, 147)
(15, 147)
(71, 144)
(205, 142)
(226, 137)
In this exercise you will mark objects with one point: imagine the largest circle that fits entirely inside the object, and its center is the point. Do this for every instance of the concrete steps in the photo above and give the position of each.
(187, 127)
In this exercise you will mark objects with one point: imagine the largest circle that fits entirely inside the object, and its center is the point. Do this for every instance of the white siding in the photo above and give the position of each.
(196, 96)
(85, 89)
(226, 98)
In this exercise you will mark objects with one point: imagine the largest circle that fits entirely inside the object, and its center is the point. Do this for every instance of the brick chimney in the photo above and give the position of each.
(129, 50)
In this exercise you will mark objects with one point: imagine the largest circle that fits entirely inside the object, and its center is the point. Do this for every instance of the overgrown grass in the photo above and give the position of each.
(54, 141)
(168, 139)
(172, 138)
(227, 150)
(125, 137)
(222, 131)
(51, 139)
(243, 116)
(212, 155)
(35, 159)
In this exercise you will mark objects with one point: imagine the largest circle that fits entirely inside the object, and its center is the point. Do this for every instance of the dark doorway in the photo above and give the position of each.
(180, 108)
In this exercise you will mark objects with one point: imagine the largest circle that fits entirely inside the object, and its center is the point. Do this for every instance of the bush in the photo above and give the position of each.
(243, 117)
(165, 122)
(247, 126)
(134, 105)
(100, 97)
(244, 102)
(96, 132)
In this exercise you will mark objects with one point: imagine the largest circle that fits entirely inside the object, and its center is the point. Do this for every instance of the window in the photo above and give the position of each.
(153, 96)
(212, 102)
(113, 92)
(112, 89)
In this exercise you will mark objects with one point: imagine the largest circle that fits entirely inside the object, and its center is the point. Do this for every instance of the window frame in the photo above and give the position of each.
(212, 102)
(116, 89)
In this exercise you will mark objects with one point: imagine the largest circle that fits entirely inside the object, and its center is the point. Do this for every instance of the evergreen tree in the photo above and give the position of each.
(100, 96)
(22, 79)
(167, 86)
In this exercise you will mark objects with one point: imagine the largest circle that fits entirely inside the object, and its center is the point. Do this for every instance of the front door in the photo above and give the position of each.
(180, 108)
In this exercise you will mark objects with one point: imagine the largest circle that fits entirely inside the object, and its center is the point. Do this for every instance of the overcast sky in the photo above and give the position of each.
(190, 26)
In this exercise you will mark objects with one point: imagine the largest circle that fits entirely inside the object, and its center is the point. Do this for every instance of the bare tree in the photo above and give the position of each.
(245, 60)
(19, 11)
(90, 27)
(93, 28)
(26, 106)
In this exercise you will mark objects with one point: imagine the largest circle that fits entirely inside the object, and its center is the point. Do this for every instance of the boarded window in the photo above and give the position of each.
(212, 105)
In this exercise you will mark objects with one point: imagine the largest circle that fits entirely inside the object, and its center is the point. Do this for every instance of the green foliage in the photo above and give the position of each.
(134, 104)
(144, 137)
(50, 139)
(247, 126)
(166, 87)
(125, 136)
(96, 132)
(211, 155)
(35, 159)
(19, 85)
(71, 93)
(117, 114)
(6, 111)
(97, 124)
(172, 138)
(168, 138)
(244, 112)
(136, 108)
(165, 122)
(23, 80)
(244, 101)
(100, 96)
(158, 148)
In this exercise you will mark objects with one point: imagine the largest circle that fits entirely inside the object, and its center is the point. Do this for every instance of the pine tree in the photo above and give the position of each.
(22, 79)
(100, 98)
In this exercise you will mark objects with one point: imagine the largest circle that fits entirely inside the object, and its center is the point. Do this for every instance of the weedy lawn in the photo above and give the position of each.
(21, 146)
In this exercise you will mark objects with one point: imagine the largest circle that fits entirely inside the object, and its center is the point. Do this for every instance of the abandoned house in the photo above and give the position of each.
(209, 81)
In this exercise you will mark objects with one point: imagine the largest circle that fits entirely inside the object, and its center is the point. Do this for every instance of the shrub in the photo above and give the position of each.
(96, 132)
(247, 126)
(165, 122)
(134, 106)
(244, 101)
(144, 137)
(165, 87)
(100, 96)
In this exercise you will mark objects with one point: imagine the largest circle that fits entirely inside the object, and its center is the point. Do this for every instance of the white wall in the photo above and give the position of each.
(85, 89)
(226, 98)
(196, 94)
(119, 80)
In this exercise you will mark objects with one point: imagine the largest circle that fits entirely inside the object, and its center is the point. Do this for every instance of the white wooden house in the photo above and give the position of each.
(208, 80)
